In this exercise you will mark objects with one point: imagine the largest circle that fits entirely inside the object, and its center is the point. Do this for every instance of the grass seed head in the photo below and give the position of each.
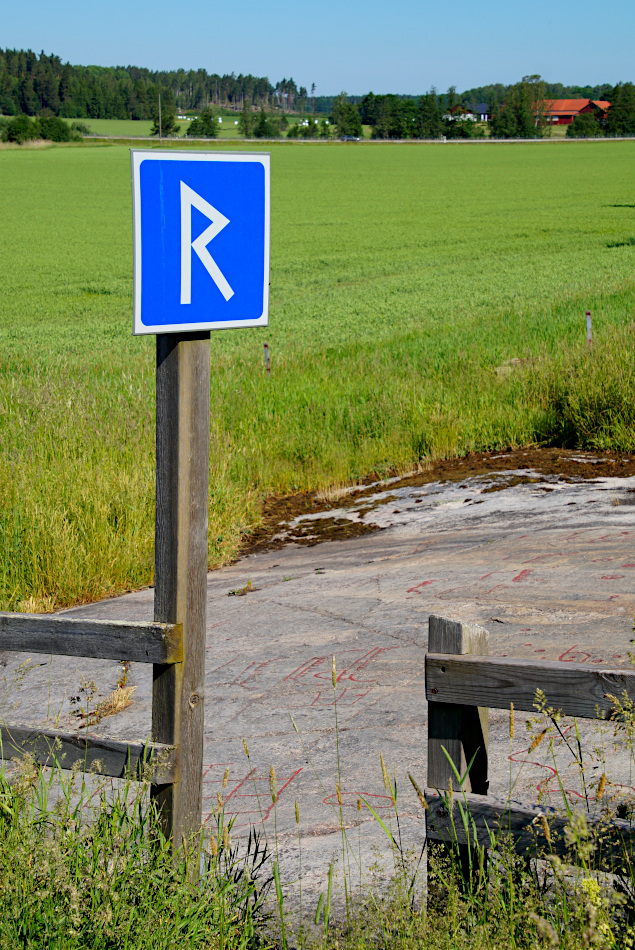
(272, 785)
(420, 795)
(333, 673)
(384, 772)
(537, 740)
(601, 786)
(546, 930)
(297, 814)
(219, 799)
(546, 830)
(359, 804)
(225, 778)
(339, 794)
(245, 748)
(511, 720)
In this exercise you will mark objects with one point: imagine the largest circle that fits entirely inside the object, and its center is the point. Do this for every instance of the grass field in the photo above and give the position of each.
(124, 128)
(130, 127)
(401, 278)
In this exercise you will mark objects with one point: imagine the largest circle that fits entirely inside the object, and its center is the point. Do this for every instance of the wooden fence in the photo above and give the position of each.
(156, 643)
(175, 643)
(462, 683)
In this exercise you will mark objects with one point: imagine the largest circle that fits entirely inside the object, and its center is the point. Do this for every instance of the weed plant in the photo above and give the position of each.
(402, 277)
(556, 894)
(89, 868)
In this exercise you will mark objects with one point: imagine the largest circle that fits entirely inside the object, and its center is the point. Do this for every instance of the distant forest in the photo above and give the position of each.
(44, 86)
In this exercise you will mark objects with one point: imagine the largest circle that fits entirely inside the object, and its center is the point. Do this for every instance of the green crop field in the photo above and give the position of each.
(129, 128)
(402, 277)
(123, 127)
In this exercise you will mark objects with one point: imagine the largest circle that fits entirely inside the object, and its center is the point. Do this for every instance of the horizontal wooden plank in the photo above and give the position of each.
(523, 825)
(97, 639)
(574, 688)
(115, 757)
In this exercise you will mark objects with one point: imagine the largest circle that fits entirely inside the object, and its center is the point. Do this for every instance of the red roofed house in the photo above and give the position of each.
(564, 111)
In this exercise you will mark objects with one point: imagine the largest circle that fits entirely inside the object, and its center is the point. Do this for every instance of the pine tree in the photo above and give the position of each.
(429, 120)
(620, 119)
(246, 121)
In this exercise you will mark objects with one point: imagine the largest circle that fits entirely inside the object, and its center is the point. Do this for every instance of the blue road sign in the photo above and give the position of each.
(201, 240)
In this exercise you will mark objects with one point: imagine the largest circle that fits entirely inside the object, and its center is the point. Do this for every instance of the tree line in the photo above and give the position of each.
(43, 85)
(517, 111)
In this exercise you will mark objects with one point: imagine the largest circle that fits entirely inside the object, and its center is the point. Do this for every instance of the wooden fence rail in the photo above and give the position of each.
(97, 639)
(462, 684)
(156, 643)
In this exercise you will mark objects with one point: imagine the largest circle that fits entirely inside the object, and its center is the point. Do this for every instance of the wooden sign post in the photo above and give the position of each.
(180, 593)
(188, 281)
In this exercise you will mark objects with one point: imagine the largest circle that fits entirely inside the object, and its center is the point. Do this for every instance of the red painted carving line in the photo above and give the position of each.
(495, 587)
(244, 677)
(514, 757)
(305, 668)
(220, 765)
(223, 665)
(330, 701)
(280, 791)
(565, 658)
(543, 557)
(366, 659)
(333, 802)
(319, 666)
(612, 577)
(411, 590)
(628, 565)
(239, 785)
(268, 811)
(522, 576)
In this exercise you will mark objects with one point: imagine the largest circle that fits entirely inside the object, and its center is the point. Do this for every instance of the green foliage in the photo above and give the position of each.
(266, 127)
(620, 119)
(168, 125)
(585, 126)
(309, 128)
(429, 125)
(346, 117)
(84, 868)
(33, 84)
(523, 112)
(384, 341)
(246, 121)
(586, 395)
(205, 126)
(56, 130)
(21, 130)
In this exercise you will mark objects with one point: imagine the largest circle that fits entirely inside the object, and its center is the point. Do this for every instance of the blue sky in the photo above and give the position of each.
(402, 46)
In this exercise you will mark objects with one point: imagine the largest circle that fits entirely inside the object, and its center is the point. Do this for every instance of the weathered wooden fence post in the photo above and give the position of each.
(461, 730)
(180, 595)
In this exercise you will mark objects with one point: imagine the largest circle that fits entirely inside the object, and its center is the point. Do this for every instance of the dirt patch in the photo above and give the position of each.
(567, 464)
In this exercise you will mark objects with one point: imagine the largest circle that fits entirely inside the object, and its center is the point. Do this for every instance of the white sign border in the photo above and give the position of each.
(139, 155)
